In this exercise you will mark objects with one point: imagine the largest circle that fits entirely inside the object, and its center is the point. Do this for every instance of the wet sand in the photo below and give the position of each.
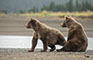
(14, 25)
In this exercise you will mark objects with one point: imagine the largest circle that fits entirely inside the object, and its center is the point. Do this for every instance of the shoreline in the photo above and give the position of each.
(25, 42)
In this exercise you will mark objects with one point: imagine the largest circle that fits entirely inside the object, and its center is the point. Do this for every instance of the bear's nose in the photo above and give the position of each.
(25, 25)
(61, 24)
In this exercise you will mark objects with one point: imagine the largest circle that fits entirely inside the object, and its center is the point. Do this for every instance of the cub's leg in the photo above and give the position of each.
(65, 48)
(45, 44)
(34, 42)
(61, 40)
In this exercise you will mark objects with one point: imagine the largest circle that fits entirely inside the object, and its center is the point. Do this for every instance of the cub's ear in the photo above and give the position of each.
(66, 17)
(33, 18)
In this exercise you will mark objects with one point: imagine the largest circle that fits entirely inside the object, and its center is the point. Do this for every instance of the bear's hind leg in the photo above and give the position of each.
(52, 48)
(66, 47)
(45, 45)
(70, 46)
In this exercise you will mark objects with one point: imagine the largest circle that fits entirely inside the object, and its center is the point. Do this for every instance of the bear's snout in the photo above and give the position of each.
(27, 26)
(63, 25)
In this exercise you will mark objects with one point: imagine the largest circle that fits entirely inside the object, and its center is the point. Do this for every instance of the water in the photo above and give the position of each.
(25, 42)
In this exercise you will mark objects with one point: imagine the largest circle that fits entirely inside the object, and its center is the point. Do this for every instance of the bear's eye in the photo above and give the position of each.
(32, 21)
(28, 22)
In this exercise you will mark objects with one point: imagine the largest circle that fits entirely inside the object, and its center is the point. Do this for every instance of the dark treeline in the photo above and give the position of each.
(84, 6)
(69, 6)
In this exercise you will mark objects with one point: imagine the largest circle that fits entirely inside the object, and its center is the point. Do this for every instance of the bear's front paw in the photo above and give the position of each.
(30, 51)
(51, 50)
(59, 50)
(43, 51)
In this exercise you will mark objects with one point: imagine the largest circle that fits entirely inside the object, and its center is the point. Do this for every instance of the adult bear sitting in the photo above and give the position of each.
(77, 40)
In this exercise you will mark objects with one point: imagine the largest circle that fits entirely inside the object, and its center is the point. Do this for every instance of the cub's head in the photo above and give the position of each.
(31, 23)
(67, 22)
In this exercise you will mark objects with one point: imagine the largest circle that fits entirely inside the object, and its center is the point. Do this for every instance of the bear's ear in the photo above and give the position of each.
(32, 20)
(66, 17)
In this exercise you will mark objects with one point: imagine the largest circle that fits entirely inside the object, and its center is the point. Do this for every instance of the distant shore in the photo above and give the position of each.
(88, 14)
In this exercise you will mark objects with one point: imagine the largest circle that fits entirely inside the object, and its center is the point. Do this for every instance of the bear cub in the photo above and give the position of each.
(49, 36)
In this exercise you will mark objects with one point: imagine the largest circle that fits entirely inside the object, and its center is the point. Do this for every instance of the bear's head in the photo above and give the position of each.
(67, 22)
(32, 23)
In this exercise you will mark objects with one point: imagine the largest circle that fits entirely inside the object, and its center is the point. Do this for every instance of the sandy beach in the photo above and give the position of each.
(23, 54)
(14, 25)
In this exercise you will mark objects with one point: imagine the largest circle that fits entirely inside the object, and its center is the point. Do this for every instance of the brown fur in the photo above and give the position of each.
(49, 36)
(77, 40)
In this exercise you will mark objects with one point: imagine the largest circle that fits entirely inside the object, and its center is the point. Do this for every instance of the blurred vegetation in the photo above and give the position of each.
(22, 11)
(69, 6)
(77, 9)
(46, 13)
(3, 11)
(34, 9)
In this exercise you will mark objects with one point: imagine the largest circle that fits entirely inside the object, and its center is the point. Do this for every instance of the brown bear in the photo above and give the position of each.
(77, 40)
(49, 36)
